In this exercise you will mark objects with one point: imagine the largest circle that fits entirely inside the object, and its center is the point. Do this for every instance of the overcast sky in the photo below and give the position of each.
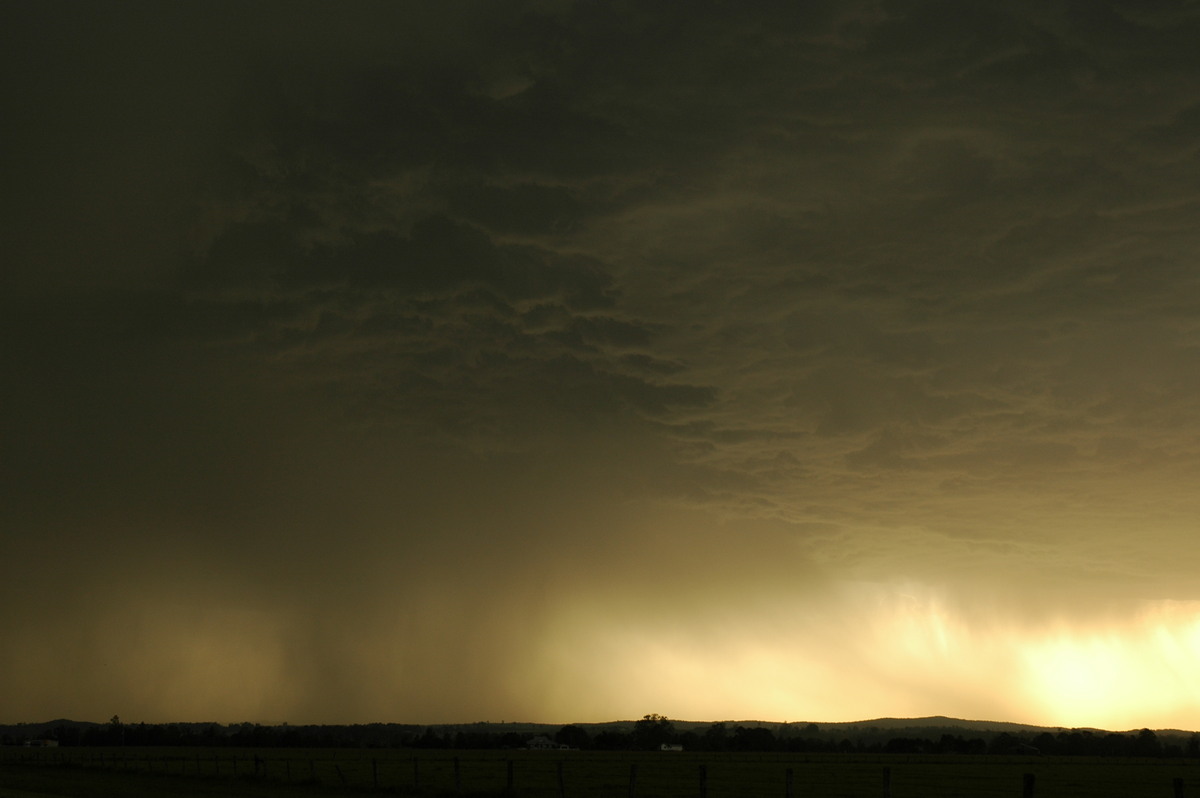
(572, 361)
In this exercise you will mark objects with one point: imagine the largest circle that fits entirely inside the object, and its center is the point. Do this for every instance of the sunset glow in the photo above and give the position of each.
(909, 651)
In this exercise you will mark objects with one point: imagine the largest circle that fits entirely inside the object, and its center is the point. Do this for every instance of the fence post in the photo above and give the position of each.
(703, 781)
(562, 782)
(887, 783)
(416, 775)
(633, 780)
(457, 778)
(1178, 788)
(1027, 782)
(787, 783)
(509, 783)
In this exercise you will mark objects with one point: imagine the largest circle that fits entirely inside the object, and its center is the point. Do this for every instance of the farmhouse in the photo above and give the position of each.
(671, 747)
(543, 743)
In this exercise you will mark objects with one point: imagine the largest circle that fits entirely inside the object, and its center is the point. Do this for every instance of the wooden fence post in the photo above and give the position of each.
(562, 782)
(457, 778)
(703, 781)
(1027, 783)
(788, 782)
(509, 782)
(1178, 783)
(633, 780)
(887, 783)
(375, 772)
(416, 775)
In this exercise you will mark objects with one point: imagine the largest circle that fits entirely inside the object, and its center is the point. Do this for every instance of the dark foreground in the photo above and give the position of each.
(255, 773)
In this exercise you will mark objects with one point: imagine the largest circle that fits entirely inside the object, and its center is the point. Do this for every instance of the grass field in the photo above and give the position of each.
(199, 773)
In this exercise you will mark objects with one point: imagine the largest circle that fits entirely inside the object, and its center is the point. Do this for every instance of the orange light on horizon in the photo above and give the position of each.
(899, 651)
(1140, 671)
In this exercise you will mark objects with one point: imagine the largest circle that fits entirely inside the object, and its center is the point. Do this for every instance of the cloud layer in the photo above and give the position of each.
(357, 355)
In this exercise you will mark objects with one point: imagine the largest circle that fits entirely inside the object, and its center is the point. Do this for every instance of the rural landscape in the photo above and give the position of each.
(652, 372)
(654, 757)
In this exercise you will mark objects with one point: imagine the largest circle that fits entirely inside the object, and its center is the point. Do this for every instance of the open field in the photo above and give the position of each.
(258, 773)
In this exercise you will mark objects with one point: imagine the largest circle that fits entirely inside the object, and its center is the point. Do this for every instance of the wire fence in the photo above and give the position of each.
(579, 774)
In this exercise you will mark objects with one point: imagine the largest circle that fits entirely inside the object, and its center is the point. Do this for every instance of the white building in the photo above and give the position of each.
(543, 743)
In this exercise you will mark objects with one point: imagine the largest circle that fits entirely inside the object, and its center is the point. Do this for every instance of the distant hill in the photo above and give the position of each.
(939, 721)
(932, 727)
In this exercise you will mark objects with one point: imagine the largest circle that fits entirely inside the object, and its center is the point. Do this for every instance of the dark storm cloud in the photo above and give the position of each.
(962, 138)
(943, 262)
(363, 323)
(440, 310)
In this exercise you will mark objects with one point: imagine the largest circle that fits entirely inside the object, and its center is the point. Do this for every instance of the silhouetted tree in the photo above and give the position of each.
(1045, 743)
(1113, 744)
(431, 739)
(116, 730)
(652, 731)
(573, 737)
(511, 740)
(753, 738)
(1003, 743)
(904, 745)
(612, 740)
(1146, 744)
(716, 737)
(67, 735)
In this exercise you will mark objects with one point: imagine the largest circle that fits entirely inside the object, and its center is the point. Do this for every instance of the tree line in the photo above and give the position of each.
(649, 733)
(655, 730)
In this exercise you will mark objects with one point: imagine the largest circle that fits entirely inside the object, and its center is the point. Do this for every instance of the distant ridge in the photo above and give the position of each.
(888, 724)
(938, 721)
(925, 725)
